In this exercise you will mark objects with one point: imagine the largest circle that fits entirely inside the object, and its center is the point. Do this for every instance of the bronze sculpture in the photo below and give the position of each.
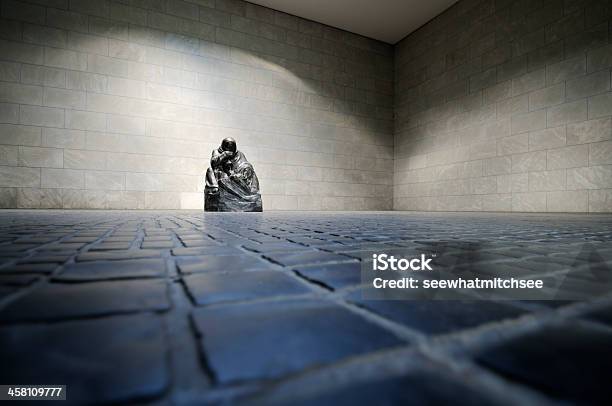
(231, 182)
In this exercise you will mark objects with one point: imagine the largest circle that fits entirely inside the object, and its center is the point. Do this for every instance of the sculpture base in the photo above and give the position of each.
(211, 200)
(225, 201)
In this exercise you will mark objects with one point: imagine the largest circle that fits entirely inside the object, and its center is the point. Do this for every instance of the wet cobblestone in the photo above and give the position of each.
(193, 308)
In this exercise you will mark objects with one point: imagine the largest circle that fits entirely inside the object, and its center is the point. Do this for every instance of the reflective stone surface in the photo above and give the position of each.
(192, 308)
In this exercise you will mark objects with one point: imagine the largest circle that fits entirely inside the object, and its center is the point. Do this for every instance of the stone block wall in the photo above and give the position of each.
(505, 105)
(118, 104)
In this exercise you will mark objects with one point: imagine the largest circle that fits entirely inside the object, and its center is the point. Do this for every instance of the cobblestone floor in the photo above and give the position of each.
(187, 308)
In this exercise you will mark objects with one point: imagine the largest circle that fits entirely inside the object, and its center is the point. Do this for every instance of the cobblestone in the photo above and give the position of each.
(549, 359)
(108, 360)
(122, 269)
(437, 317)
(269, 247)
(334, 276)
(18, 280)
(55, 301)
(206, 251)
(117, 255)
(416, 388)
(7, 291)
(191, 308)
(216, 287)
(46, 258)
(29, 268)
(603, 315)
(305, 258)
(268, 340)
(107, 246)
(222, 263)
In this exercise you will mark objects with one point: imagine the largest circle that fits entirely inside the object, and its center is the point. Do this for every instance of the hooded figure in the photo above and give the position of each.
(231, 183)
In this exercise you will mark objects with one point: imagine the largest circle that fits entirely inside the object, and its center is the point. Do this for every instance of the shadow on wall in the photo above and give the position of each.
(111, 106)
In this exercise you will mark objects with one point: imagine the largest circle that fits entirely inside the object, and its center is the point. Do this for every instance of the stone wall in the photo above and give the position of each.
(118, 104)
(506, 106)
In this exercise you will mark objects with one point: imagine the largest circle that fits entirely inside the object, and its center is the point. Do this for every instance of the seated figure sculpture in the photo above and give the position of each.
(231, 182)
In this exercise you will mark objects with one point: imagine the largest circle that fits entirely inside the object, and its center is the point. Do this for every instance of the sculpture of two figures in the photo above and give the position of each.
(231, 183)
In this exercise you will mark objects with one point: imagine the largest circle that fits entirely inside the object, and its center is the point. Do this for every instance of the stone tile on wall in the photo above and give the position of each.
(9, 113)
(529, 202)
(67, 20)
(567, 157)
(589, 85)
(157, 200)
(85, 120)
(589, 131)
(22, 94)
(592, 177)
(515, 144)
(41, 116)
(600, 106)
(544, 74)
(567, 201)
(40, 75)
(529, 82)
(529, 161)
(498, 165)
(8, 198)
(600, 200)
(62, 58)
(600, 153)
(547, 180)
(62, 178)
(86, 81)
(123, 200)
(567, 113)
(36, 198)
(44, 35)
(23, 12)
(127, 99)
(564, 70)
(547, 139)
(83, 199)
(507, 108)
(64, 98)
(9, 155)
(125, 124)
(63, 138)
(529, 121)
(497, 202)
(41, 157)
(547, 97)
(82, 159)
(21, 52)
(104, 180)
(19, 176)
(599, 58)
(20, 135)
